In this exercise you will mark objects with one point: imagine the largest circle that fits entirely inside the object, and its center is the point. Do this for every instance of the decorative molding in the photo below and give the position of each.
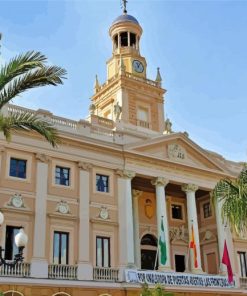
(103, 213)
(189, 188)
(84, 166)
(136, 193)
(106, 222)
(160, 181)
(178, 233)
(125, 174)
(42, 157)
(63, 207)
(2, 149)
(209, 236)
(16, 201)
(176, 152)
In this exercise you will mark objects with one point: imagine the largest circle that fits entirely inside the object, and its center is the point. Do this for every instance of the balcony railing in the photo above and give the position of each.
(60, 271)
(19, 270)
(105, 274)
(143, 123)
(243, 282)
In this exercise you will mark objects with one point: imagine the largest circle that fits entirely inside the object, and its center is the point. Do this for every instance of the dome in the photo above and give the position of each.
(125, 18)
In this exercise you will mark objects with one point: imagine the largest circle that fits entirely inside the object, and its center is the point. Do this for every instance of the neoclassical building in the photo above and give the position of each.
(93, 207)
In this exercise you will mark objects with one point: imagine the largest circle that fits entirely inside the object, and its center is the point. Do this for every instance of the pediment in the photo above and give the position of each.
(177, 148)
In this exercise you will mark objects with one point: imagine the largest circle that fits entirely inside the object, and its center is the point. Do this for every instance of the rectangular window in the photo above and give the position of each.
(10, 247)
(177, 212)
(103, 251)
(242, 263)
(18, 168)
(102, 183)
(62, 176)
(207, 210)
(61, 247)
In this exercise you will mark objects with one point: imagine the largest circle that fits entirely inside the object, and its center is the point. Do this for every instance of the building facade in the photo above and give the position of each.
(94, 206)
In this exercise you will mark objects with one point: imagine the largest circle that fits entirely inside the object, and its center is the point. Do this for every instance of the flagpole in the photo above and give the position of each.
(156, 257)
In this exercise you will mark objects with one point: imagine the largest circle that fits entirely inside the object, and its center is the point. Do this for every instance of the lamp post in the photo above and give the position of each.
(20, 241)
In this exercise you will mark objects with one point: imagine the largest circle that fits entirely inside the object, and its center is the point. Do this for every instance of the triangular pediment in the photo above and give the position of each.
(177, 148)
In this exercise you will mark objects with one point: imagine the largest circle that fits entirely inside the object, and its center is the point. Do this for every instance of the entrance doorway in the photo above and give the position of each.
(180, 263)
(149, 252)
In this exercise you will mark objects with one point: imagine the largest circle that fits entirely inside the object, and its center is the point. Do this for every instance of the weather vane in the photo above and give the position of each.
(124, 6)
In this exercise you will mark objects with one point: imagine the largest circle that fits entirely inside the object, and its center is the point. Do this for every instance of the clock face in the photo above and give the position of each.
(138, 66)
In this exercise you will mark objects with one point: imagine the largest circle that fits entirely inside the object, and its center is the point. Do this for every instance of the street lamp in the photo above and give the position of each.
(20, 241)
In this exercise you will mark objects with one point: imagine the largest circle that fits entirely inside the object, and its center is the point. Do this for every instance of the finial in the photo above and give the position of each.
(96, 84)
(168, 127)
(158, 77)
(124, 6)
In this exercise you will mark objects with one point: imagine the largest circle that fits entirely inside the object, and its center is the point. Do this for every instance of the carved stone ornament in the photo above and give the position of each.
(63, 207)
(149, 208)
(125, 174)
(160, 181)
(136, 193)
(104, 214)
(176, 152)
(42, 157)
(16, 201)
(179, 233)
(208, 236)
(189, 188)
(84, 166)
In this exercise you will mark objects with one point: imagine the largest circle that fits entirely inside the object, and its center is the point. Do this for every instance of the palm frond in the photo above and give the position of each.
(28, 122)
(233, 194)
(19, 65)
(51, 75)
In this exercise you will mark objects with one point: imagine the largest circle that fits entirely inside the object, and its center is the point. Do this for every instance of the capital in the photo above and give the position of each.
(189, 188)
(84, 166)
(136, 193)
(42, 157)
(125, 174)
(160, 181)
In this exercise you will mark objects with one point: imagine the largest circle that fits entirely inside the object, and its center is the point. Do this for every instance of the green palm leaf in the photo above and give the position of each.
(24, 72)
(28, 122)
(233, 194)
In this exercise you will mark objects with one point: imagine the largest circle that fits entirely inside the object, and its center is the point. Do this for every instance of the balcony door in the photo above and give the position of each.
(61, 248)
(149, 252)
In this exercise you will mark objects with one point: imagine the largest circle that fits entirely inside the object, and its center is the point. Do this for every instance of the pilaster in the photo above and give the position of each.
(85, 268)
(39, 264)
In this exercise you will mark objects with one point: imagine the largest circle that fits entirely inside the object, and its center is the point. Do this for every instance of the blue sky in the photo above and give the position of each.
(200, 47)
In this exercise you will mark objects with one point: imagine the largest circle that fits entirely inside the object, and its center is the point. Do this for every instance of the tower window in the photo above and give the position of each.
(124, 39)
(132, 39)
(116, 41)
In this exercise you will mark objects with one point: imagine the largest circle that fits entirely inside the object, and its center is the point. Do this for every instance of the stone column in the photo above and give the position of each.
(190, 190)
(85, 268)
(136, 194)
(161, 213)
(125, 218)
(39, 263)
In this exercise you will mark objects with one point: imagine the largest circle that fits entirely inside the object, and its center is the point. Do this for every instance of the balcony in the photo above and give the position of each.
(105, 274)
(243, 282)
(19, 270)
(62, 272)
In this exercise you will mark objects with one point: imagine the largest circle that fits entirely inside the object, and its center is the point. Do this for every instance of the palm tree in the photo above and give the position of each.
(24, 72)
(233, 195)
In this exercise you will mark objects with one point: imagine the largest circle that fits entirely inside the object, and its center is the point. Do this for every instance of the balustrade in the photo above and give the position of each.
(19, 270)
(62, 271)
(105, 274)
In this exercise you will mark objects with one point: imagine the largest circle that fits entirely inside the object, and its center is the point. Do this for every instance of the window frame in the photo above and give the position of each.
(108, 183)
(17, 170)
(64, 164)
(66, 180)
(181, 209)
(209, 210)
(240, 263)
(105, 172)
(102, 238)
(60, 246)
(11, 251)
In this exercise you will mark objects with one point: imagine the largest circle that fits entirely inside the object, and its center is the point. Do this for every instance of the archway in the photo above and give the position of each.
(12, 293)
(149, 252)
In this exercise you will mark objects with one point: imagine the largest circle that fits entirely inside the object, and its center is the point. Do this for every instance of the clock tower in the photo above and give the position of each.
(128, 98)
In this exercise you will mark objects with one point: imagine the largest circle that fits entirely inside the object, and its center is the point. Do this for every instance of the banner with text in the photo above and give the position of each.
(177, 279)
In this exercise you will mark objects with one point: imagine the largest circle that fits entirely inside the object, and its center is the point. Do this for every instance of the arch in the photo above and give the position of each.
(104, 295)
(149, 259)
(61, 294)
(12, 293)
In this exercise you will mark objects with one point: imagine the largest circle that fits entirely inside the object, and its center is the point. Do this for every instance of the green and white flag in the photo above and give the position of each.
(162, 245)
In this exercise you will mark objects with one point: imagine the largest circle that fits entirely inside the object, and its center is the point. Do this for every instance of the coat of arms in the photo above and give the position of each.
(149, 209)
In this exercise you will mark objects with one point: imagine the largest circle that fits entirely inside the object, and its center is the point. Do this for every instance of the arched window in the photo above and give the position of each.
(149, 256)
(61, 294)
(12, 293)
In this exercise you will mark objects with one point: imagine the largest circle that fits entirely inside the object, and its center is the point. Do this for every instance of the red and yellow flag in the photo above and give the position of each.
(193, 246)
